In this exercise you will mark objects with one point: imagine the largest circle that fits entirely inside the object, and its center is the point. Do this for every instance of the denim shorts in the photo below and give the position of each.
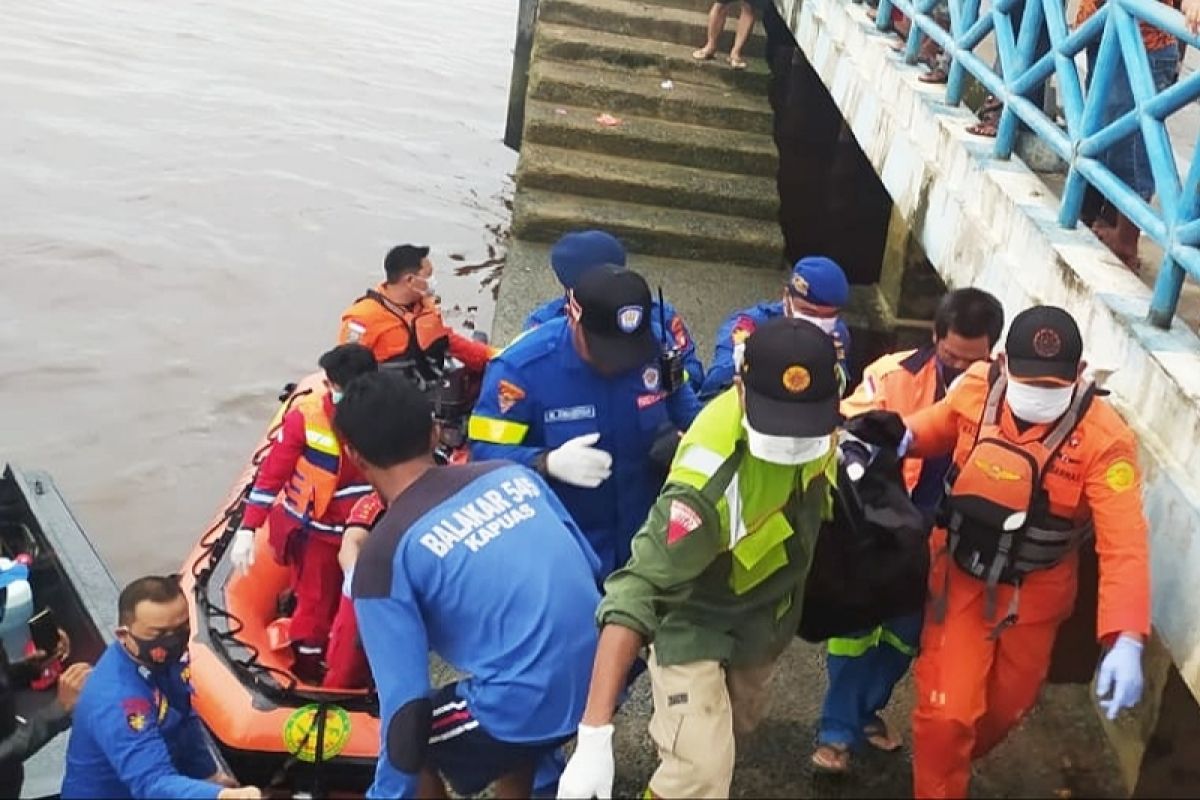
(1128, 158)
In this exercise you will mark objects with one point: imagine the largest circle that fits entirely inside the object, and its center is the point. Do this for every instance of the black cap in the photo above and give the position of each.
(789, 372)
(1044, 343)
(615, 306)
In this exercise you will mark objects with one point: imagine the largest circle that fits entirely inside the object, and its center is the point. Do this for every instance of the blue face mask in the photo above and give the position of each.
(336, 395)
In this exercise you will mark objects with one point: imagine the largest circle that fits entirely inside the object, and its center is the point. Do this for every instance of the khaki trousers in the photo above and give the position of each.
(699, 709)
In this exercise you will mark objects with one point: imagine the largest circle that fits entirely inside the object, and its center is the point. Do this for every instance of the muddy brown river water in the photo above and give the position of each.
(190, 193)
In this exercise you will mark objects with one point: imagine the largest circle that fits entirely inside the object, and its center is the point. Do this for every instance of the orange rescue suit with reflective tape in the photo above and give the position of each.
(897, 382)
(1094, 476)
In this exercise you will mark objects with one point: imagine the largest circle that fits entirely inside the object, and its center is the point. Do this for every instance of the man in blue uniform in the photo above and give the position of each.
(482, 565)
(581, 401)
(817, 291)
(580, 251)
(135, 734)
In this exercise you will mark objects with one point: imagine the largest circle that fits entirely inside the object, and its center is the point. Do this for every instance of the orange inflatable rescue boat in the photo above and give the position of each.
(273, 730)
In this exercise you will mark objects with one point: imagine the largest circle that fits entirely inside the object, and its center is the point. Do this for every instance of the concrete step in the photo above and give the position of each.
(657, 59)
(693, 5)
(543, 217)
(703, 292)
(618, 92)
(660, 23)
(651, 139)
(667, 185)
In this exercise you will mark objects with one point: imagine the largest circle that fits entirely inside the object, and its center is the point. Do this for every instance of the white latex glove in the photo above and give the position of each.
(589, 773)
(1120, 675)
(578, 463)
(241, 552)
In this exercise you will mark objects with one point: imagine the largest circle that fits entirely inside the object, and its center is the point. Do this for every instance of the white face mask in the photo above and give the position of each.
(1038, 404)
(430, 287)
(827, 324)
(788, 450)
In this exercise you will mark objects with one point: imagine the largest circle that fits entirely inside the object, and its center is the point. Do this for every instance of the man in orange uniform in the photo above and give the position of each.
(865, 666)
(320, 488)
(400, 320)
(1039, 464)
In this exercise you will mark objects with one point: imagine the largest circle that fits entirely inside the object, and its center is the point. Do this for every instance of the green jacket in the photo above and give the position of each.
(718, 568)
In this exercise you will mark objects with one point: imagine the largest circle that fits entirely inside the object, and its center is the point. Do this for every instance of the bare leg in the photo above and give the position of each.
(716, 24)
(745, 26)
(514, 785)
(430, 786)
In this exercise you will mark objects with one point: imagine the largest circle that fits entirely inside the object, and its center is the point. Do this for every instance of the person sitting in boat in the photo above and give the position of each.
(579, 252)
(816, 291)
(306, 522)
(583, 401)
(400, 321)
(346, 659)
(450, 568)
(135, 733)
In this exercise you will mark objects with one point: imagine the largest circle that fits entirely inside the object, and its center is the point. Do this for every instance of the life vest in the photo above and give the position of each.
(426, 340)
(997, 512)
(314, 483)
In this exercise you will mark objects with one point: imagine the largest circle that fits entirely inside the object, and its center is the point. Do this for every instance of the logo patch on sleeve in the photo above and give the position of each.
(1120, 476)
(508, 395)
(680, 333)
(742, 329)
(354, 331)
(138, 712)
(683, 520)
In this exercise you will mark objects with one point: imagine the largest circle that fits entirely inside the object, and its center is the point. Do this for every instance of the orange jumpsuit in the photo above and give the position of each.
(971, 689)
(393, 331)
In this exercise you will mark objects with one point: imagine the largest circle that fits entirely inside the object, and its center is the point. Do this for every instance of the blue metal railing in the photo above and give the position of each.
(1017, 25)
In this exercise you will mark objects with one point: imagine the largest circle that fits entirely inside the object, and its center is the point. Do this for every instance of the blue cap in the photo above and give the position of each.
(820, 281)
(580, 251)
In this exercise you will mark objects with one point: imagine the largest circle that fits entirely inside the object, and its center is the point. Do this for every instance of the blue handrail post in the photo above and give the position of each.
(1167, 288)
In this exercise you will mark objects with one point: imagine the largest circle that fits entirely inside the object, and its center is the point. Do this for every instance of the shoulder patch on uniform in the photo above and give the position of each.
(138, 712)
(508, 394)
(682, 520)
(1120, 475)
(679, 332)
(354, 330)
(743, 326)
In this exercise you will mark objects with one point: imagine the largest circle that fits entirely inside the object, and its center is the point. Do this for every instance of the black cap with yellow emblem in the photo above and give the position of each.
(1044, 343)
(789, 371)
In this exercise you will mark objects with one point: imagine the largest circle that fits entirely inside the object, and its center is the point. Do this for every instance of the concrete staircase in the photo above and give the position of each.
(690, 171)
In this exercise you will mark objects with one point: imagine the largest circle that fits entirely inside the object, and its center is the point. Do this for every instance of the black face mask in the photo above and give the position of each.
(163, 650)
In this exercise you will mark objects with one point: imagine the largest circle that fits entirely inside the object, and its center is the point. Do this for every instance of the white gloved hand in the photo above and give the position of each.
(241, 552)
(578, 463)
(1119, 683)
(589, 773)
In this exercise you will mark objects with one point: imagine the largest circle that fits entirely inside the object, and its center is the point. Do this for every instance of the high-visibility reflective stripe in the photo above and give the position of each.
(312, 523)
(699, 458)
(496, 431)
(321, 439)
(895, 641)
(853, 648)
(261, 498)
(350, 491)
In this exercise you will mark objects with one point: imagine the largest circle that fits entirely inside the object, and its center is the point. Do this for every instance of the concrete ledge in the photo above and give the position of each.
(992, 224)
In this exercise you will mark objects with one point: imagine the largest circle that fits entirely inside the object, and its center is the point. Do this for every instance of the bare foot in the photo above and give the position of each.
(737, 62)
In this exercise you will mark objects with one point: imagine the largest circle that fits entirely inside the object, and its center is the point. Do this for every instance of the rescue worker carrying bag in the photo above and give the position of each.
(871, 562)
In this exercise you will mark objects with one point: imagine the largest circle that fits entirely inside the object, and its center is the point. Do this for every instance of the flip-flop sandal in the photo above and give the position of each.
(989, 119)
(737, 63)
(702, 55)
(831, 759)
(877, 735)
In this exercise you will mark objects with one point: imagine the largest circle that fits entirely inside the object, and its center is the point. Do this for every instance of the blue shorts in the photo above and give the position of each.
(466, 755)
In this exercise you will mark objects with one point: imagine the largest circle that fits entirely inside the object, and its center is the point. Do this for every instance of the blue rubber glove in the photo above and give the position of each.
(1119, 684)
